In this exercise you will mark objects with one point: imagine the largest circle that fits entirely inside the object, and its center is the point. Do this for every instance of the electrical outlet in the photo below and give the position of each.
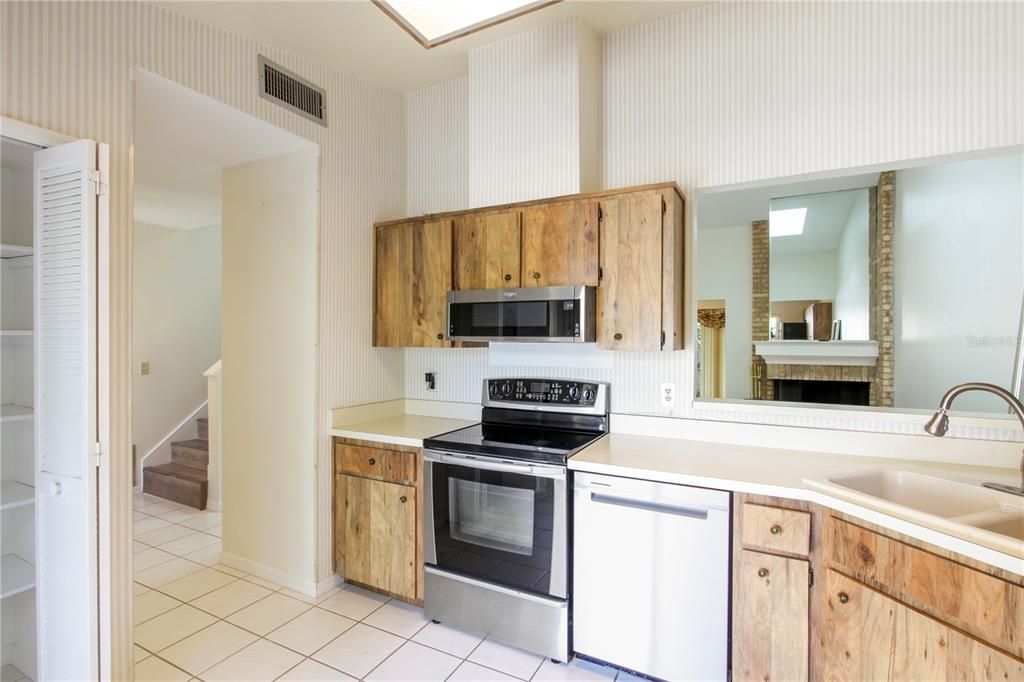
(144, 368)
(430, 378)
(668, 395)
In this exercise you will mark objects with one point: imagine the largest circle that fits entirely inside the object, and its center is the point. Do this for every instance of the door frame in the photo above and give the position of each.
(110, 597)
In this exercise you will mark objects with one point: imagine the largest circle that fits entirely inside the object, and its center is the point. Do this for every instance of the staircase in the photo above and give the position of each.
(184, 478)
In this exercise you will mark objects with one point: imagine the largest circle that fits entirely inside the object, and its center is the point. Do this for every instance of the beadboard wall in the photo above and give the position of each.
(67, 67)
(437, 144)
(527, 130)
(742, 92)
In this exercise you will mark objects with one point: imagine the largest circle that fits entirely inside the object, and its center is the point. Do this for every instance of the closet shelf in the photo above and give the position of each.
(10, 412)
(14, 251)
(16, 574)
(14, 494)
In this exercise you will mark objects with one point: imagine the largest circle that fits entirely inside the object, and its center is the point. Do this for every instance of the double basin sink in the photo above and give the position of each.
(987, 514)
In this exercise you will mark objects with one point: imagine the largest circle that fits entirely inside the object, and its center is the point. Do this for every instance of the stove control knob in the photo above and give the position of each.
(574, 392)
(588, 395)
(506, 388)
(493, 389)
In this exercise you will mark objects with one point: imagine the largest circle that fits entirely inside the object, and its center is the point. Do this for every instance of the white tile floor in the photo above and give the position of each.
(197, 619)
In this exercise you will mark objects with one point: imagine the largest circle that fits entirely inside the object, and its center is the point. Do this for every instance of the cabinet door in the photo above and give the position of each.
(429, 263)
(629, 298)
(866, 635)
(375, 534)
(413, 264)
(560, 244)
(770, 618)
(487, 250)
(391, 304)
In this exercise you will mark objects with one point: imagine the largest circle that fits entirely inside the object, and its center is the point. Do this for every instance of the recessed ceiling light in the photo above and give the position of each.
(787, 222)
(434, 22)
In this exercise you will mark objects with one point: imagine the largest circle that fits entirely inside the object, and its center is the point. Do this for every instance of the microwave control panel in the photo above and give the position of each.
(544, 391)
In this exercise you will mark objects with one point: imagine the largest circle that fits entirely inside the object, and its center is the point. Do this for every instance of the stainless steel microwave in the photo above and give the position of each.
(551, 314)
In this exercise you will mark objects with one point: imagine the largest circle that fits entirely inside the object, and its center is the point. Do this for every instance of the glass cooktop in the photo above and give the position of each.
(546, 445)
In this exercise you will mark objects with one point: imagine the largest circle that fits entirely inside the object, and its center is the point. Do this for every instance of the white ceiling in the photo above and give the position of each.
(183, 141)
(355, 37)
(827, 214)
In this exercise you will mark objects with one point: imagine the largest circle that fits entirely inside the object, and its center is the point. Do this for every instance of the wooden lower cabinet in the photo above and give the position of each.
(867, 635)
(377, 510)
(772, 619)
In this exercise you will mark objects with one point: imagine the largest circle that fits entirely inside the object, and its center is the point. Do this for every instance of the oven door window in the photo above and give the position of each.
(496, 526)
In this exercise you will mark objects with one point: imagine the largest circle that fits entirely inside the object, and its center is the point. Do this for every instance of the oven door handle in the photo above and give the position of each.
(493, 465)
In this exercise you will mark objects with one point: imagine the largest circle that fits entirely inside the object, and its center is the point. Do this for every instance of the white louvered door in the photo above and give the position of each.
(65, 182)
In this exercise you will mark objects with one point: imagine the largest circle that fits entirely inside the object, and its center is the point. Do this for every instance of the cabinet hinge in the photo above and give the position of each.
(664, 208)
(600, 273)
(97, 455)
(99, 182)
(662, 338)
(600, 214)
(810, 577)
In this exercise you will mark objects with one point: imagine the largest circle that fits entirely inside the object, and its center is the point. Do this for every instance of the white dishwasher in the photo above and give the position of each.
(651, 576)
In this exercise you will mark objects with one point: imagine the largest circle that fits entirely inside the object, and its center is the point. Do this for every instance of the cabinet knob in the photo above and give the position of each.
(536, 275)
(843, 597)
(775, 530)
(402, 499)
(372, 461)
(618, 337)
(440, 336)
(762, 573)
(508, 278)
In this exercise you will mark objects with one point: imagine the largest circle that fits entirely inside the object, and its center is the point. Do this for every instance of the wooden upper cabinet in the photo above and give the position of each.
(413, 266)
(486, 251)
(629, 299)
(560, 244)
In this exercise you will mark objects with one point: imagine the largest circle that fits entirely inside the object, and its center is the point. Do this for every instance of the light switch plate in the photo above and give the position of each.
(144, 368)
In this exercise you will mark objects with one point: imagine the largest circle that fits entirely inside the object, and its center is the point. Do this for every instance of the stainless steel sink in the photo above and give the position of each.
(928, 494)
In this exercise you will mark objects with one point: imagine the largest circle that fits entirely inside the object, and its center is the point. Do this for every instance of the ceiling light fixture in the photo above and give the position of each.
(435, 22)
(787, 222)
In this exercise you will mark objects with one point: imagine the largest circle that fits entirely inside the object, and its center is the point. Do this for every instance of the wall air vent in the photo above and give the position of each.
(283, 87)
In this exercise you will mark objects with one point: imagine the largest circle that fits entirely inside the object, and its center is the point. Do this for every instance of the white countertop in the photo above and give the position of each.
(785, 473)
(402, 429)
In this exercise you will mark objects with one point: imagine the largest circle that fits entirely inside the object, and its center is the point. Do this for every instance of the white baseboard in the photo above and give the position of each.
(306, 587)
(328, 584)
(213, 506)
(14, 655)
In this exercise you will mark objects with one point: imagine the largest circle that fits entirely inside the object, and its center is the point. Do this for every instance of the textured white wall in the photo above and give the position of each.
(958, 299)
(437, 148)
(801, 276)
(737, 92)
(176, 324)
(852, 278)
(727, 251)
(524, 116)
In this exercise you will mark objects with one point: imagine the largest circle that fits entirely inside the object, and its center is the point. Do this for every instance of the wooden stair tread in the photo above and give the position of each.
(181, 471)
(193, 443)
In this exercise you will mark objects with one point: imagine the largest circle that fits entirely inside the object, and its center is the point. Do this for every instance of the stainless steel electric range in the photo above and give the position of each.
(496, 511)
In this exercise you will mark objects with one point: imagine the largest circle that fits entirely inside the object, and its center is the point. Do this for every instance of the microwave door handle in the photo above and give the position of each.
(489, 465)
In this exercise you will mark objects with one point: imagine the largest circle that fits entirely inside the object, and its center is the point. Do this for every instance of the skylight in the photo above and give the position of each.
(434, 22)
(788, 222)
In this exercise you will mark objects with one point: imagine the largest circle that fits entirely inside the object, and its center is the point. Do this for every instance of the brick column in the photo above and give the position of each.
(759, 306)
(883, 310)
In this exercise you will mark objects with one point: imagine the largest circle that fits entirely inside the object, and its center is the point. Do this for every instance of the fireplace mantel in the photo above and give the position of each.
(831, 353)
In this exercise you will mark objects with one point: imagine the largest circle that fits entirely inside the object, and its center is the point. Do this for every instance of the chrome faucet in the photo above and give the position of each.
(938, 425)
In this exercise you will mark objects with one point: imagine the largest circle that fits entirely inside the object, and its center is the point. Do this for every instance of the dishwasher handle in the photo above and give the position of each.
(651, 505)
